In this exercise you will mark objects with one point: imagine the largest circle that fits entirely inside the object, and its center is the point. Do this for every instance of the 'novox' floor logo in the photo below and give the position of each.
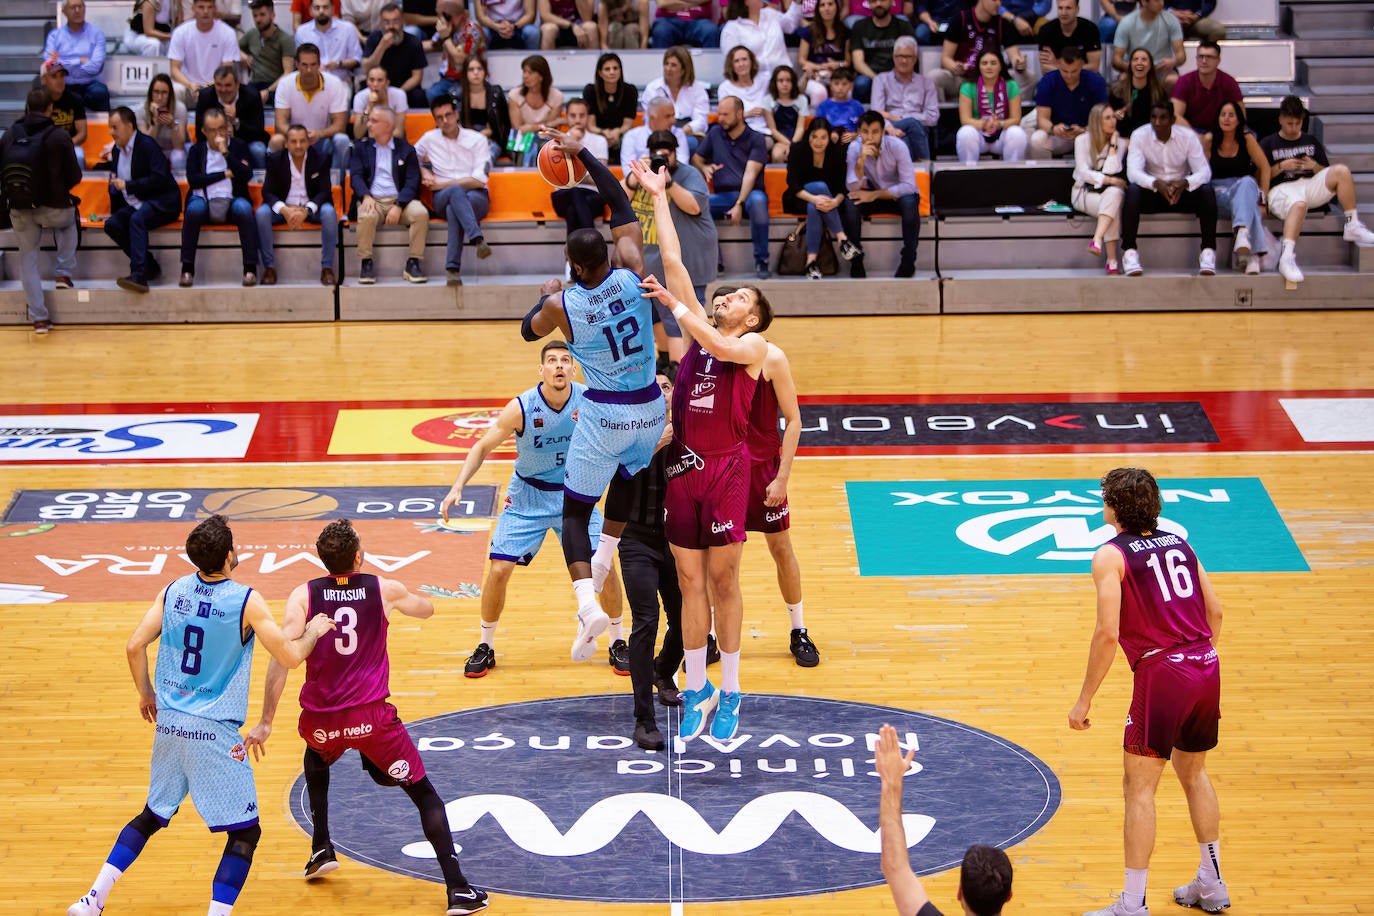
(550, 799)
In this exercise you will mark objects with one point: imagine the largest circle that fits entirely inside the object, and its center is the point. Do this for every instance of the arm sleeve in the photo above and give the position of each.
(700, 110)
(195, 168)
(1135, 167)
(1083, 171)
(930, 105)
(1319, 152)
(611, 191)
(906, 176)
(96, 64)
(851, 180)
(1200, 171)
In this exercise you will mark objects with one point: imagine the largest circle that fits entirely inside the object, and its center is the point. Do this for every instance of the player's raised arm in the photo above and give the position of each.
(290, 652)
(748, 350)
(1108, 569)
(675, 275)
(292, 628)
(397, 597)
(144, 635)
(627, 238)
(907, 891)
(507, 424)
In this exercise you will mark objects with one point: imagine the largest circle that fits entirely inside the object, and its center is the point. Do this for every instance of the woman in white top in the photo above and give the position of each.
(150, 29)
(744, 81)
(1099, 179)
(760, 29)
(691, 106)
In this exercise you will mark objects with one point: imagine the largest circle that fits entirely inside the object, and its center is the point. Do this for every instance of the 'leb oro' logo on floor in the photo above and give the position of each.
(550, 799)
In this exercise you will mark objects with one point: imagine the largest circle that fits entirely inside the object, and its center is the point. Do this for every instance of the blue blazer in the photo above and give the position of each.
(237, 159)
(150, 177)
(405, 170)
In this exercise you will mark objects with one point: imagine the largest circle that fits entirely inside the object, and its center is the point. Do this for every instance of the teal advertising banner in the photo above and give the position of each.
(1016, 527)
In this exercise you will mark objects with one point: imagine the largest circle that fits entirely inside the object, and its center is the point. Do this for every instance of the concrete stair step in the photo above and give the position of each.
(1309, 17)
(1336, 71)
(1347, 128)
(1335, 44)
(27, 32)
(1358, 156)
(36, 9)
(1333, 100)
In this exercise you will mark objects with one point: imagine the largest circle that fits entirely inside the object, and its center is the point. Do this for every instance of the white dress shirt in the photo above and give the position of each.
(336, 43)
(1182, 157)
(125, 170)
(215, 163)
(383, 182)
(691, 103)
(467, 155)
(764, 39)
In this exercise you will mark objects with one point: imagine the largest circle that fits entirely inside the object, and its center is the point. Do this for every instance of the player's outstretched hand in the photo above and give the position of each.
(568, 144)
(450, 500)
(147, 707)
(257, 740)
(887, 756)
(653, 182)
(656, 290)
(1078, 717)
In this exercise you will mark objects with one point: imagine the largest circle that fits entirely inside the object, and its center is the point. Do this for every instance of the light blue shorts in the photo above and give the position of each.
(611, 437)
(207, 760)
(530, 513)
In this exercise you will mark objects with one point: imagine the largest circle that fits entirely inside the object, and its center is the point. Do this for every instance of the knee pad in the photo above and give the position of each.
(241, 843)
(146, 823)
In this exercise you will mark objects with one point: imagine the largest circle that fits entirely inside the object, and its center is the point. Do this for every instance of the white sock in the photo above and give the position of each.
(1351, 216)
(104, 882)
(586, 594)
(489, 633)
(1209, 861)
(729, 672)
(603, 558)
(1134, 894)
(696, 668)
(794, 611)
(1289, 247)
(219, 909)
(617, 631)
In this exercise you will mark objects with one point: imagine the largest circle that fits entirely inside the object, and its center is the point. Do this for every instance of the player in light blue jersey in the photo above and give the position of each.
(542, 420)
(197, 700)
(609, 326)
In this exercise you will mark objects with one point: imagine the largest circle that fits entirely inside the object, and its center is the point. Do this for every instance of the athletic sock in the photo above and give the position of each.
(1351, 216)
(794, 611)
(603, 558)
(1134, 894)
(104, 882)
(1289, 246)
(586, 594)
(1209, 861)
(617, 629)
(489, 633)
(696, 668)
(729, 672)
(219, 909)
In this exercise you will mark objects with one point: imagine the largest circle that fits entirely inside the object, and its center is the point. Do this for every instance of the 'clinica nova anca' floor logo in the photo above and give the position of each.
(550, 799)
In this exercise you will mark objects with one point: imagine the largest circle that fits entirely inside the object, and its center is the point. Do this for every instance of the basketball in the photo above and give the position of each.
(267, 503)
(559, 170)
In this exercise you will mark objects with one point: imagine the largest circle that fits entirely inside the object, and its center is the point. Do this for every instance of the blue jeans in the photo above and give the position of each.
(755, 210)
(257, 154)
(1107, 27)
(925, 36)
(325, 218)
(816, 218)
(463, 208)
(451, 88)
(917, 139)
(863, 88)
(129, 228)
(336, 148)
(1238, 198)
(526, 39)
(28, 229)
(95, 95)
(908, 207)
(697, 33)
(240, 215)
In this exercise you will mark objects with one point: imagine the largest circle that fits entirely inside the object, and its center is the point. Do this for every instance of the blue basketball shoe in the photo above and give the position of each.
(696, 706)
(726, 721)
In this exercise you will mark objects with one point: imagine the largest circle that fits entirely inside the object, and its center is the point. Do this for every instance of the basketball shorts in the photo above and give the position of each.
(207, 760)
(1311, 191)
(611, 437)
(708, 498)
(529, 513)
(762, 517)
(1176, 703)
(374, 730)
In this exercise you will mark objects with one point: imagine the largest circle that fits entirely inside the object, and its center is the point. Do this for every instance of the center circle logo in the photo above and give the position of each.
(550, 799)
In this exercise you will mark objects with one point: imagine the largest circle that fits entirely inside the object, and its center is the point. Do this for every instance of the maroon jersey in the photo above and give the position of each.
(1161, 595)
(711, 401)
(764, 440)
(348, 667)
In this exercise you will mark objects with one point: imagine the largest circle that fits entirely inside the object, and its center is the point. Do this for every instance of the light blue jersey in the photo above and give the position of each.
(541, 444)
(203, 661)
(612, 332)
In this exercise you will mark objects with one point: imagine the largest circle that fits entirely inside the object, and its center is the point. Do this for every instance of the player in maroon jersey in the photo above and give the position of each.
(1153, 597)
(708, 467)
(343, 702)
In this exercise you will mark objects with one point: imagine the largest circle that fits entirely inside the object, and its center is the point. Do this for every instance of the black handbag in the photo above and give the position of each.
(792, 255)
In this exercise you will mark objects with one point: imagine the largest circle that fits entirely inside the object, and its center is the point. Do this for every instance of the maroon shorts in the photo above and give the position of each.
(708, 498)
(374, 729)
(762, 517)
(1176, 702)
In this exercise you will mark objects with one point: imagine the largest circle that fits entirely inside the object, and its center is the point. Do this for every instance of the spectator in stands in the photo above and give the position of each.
(217, 172)
(732, 157)
(566, 24)
(163, 117)
(786, 117)
(907, 100)
(934, 17)
(300, 12)
(316, 100)
(484, 107)
(1302, 177)
(1158, 32)
(454, 165)
(613, 103)
(635, 144)
(1195, 17)
(267, 50)
(1240, 180)
(580, 206)
(990, 114)
(535, 104)
(143, 196)
(149, 28)
(337, 42)
(80, 47)
(1113, 11)
(46, 200)
(744, 81)
(1138, 90)
(198, 48)
(420, 16)
(364, 15)
(761, 29)
(623, 24)
(1167, 171)
(1199, 94)
(1099, 179)
(816, 189)
(1063, 99)
(841, 111)
(230, 12)
(400, 53)
(242, 105)
(691, 107)
(824, 48)
(882, 179)
(296, 191)
(67, 110)
(509, 24)
(871, 41)
(1069, 29)
(976, 30)
(684, 22)
(1026, 16)
(384, 173)
(378, 93)
(457, 37)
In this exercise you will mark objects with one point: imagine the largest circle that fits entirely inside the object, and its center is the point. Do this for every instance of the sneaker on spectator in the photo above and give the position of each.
(414, 271)
(1242, 246)
(1113, 268)
(905, 270)
(856, 269)
(42, 327)
(849, 251)
(367, 272)
(483, 249)
(1130, 263)
(1252, 264)
(1358, 232)
(269, 276)
(1210, 897)
(813, 271)
(133, 283)
(61, 281)
(1288, 267)
(453, 277)
(1207, 263)
(761, 270)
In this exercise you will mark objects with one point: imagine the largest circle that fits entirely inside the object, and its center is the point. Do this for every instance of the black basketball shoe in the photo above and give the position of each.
(482, 660)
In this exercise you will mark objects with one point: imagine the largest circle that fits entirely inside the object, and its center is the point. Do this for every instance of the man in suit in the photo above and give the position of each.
(384, 173)
(217, 171)
(296, 190)
(242, 106)
(143, 196)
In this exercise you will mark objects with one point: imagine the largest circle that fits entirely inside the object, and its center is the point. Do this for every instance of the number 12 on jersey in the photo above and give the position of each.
(628, 329)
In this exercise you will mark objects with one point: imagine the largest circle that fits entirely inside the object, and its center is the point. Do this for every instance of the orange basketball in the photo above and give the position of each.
(558, 169)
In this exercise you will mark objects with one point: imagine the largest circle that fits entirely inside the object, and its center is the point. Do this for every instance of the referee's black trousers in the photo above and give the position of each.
(648, 571)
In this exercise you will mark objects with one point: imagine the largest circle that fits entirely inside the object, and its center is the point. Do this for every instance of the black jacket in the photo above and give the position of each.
(236, 158)
(60, 172)
(276, 181)
(150, 177)
(248, 115)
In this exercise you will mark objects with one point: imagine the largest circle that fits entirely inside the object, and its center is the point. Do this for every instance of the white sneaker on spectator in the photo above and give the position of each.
(1288, 267)
(1207, 263)
(1358, 232)
(1242, 246)
(1252, 264)
(1130, 263)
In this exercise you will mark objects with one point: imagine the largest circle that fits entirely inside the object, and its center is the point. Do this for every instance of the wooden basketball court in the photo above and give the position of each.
(1001, 653)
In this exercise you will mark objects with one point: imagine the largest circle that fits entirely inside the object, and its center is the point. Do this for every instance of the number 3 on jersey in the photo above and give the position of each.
(628, 329)
(346, 637)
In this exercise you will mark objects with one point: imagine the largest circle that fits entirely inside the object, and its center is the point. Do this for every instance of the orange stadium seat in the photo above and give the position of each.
(775, 182)
(95, 201)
